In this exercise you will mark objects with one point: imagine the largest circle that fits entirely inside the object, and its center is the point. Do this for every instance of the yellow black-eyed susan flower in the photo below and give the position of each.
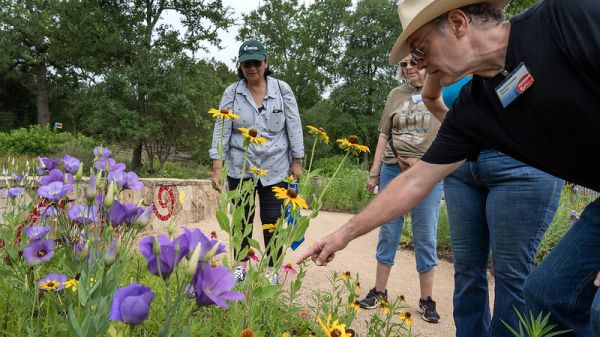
(269, 227)
(334, 329)
(223, 113)
(406, 317)
(72, 284)
(384, 306)
(351, 144)
(346, 276)
(252, 134)
(258, 171)
(289, 196)
(313, 130)
(355, 305)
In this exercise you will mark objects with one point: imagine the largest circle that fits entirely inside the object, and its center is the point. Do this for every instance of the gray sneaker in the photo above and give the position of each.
(427, 309)
(373, 298)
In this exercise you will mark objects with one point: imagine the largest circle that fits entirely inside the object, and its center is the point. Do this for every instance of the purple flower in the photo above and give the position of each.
(49, 211)
(53, 282)
(189, 239)
(131, 304)
(167, 258)
(37, 232)
(109, 165)
(126, 180)
(39, 251)
(121, 213)
(213, 285)
(55, 190)
(14, 192)
(55, 175)
(105, 152)
(141, 215)
(71, 163)
(19, 178)
(47, 164)
(83, 214)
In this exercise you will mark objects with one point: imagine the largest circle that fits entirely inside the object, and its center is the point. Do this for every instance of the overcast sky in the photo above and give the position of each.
(229, 43)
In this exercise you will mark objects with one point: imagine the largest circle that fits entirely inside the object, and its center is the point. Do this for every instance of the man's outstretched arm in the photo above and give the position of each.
(399, 197)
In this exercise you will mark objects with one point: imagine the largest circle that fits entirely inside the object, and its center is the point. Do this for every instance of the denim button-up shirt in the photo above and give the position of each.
(279, 123)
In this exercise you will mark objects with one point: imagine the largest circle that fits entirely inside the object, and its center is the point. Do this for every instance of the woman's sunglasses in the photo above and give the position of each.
(250, 64)
(405, 64)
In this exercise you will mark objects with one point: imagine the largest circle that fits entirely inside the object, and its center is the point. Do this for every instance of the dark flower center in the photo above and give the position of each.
(224, 111)
(336, 333)
(51, 285)
(253, 132)
(251, 252)
(41, 253)
(353, 139)
(291, 193)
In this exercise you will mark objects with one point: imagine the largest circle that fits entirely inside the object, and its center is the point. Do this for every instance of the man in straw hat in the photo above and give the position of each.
(535, 95)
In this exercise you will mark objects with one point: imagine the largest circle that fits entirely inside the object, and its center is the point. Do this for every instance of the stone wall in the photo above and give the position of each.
(182, 201)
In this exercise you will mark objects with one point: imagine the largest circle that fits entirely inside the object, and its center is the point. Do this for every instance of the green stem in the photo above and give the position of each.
(312, 154)
(333, 177)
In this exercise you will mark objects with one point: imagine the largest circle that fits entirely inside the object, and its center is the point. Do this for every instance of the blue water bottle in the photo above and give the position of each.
(291, 219)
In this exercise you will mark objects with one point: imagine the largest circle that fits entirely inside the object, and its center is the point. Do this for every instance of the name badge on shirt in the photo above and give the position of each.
(416, 98)
(514, 85)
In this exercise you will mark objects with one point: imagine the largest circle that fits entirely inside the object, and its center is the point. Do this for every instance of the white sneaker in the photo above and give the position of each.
(240, 274)
(273, 276)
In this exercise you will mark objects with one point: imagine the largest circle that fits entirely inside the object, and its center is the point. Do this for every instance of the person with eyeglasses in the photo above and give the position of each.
(265, 106)
(534, 96)
(406, 130)
(496, 206)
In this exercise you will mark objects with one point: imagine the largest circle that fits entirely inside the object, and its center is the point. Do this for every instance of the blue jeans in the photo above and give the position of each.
(501, 205)
(424, 226)
(563, 284)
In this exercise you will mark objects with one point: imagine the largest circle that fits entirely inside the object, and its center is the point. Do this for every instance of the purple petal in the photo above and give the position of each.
(37, 232)
(39, 251)
(14, 192)
(131, 304)
(71, 163)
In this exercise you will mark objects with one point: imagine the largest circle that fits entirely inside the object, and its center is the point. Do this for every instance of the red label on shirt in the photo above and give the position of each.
(524, 83)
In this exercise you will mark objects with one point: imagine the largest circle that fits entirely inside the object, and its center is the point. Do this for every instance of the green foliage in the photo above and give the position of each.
(347, 192)
(303, 42)
(534, 326)
(42, 141)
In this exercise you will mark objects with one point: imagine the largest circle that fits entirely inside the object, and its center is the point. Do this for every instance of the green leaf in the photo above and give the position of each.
(223, 220)
(265, 292)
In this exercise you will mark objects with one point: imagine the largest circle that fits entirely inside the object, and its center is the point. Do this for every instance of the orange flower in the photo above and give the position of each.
(247, 332)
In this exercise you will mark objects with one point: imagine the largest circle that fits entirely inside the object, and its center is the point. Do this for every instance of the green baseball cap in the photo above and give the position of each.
(251, 50)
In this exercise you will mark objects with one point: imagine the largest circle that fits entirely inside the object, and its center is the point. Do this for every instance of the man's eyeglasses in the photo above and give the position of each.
(405, 64)
(252, 63)
(417, 54)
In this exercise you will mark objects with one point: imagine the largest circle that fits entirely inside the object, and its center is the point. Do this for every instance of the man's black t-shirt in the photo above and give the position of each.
(555, 124)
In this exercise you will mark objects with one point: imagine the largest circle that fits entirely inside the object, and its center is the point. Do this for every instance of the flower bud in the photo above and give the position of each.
(171, 229)
(91, 190)
(209, 255)
(111, 255)
(85, 250)
(110, 195)
(156, 246)
(79, 173)
(192, 265)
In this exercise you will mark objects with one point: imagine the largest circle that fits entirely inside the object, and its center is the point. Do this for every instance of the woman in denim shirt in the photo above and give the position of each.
(268, 106)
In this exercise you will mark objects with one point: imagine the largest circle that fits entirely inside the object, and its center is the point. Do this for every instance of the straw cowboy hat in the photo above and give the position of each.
(414, 14)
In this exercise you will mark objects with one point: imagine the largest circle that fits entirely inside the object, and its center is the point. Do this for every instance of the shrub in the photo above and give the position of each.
(42, 141)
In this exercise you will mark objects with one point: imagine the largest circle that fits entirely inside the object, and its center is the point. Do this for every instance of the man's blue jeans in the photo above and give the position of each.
(424, 226)
(499, 205)
(563, 284)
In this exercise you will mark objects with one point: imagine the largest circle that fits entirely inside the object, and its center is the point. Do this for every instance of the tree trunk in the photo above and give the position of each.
(150, 154)
(136, 160)
(41, 94)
